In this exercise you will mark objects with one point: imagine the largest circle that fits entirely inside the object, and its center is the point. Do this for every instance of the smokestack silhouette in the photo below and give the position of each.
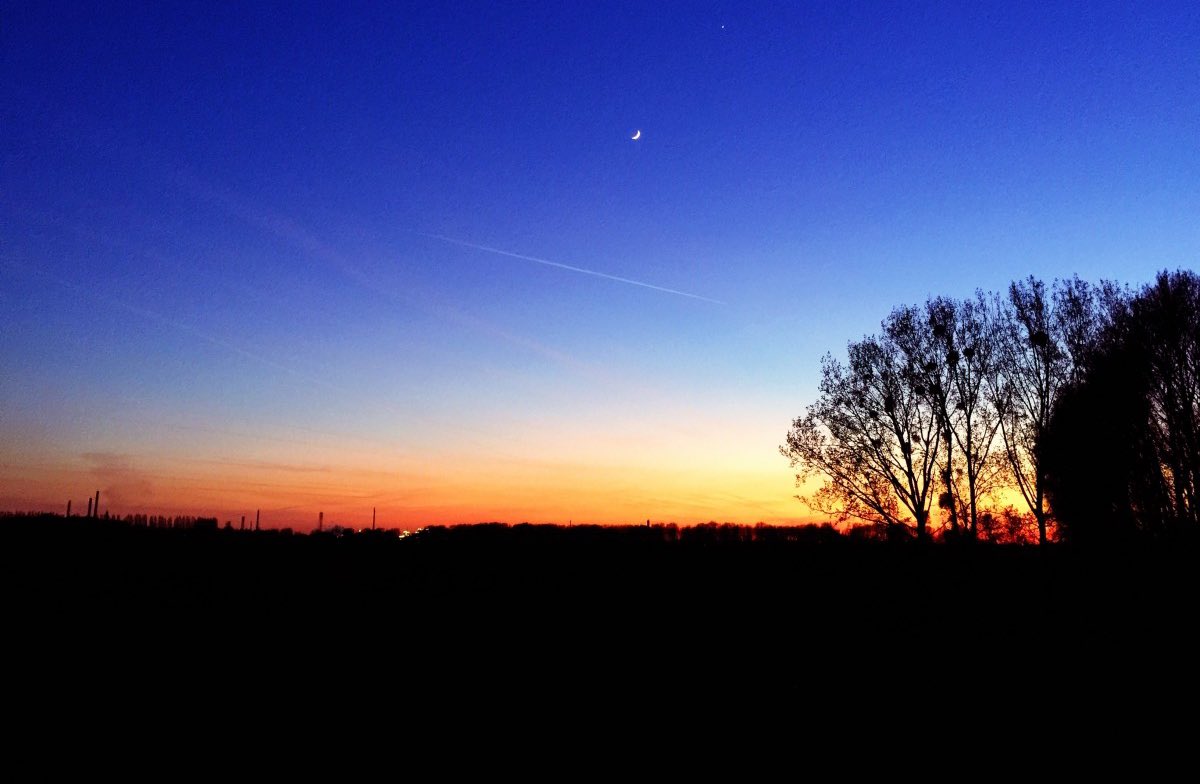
(372, 514)
(96, 508)
(89, 514)
(68, 507)
(320, 520)
(257, 512)
(243, 528)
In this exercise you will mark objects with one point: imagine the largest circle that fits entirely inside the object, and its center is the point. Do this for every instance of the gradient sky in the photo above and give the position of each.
(226, 284)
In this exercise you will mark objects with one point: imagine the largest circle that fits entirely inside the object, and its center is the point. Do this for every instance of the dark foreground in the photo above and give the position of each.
(567, 619)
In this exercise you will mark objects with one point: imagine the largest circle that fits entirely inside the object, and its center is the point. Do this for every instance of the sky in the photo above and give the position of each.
(316, 257)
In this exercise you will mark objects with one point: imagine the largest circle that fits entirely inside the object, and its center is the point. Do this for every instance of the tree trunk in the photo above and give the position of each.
(948, 480)
(1040, 514)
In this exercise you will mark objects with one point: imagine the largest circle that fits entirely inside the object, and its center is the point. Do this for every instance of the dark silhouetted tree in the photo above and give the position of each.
(924, 339)
(976, 418)
(1041, 339)
(949, 352)
(1122, 450)
(871, 436)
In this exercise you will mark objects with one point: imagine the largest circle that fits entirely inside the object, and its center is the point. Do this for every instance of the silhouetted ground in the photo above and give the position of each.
(452, 622)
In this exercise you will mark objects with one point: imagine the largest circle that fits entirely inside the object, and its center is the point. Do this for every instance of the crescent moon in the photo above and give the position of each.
(636, 135)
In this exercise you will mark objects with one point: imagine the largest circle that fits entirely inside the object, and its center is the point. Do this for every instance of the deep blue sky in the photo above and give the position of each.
(214, 225)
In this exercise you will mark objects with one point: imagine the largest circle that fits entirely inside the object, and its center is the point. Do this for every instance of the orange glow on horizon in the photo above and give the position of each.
(407, 492)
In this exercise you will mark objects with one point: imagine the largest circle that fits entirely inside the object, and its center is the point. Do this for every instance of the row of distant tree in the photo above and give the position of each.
(1081, 400)
(169, 521)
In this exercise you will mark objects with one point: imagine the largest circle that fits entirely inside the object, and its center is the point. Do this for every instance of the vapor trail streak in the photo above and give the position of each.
(549, 263)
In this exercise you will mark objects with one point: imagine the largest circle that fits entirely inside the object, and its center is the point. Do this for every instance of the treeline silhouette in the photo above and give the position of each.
(762, 579)
(1081, 400)
(458, 618)
(169, 521)
(465, 535)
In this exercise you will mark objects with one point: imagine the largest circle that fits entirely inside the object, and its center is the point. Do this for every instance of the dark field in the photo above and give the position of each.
(577, 616)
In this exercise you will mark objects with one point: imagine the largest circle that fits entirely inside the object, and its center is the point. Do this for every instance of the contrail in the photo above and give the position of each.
(549, 263)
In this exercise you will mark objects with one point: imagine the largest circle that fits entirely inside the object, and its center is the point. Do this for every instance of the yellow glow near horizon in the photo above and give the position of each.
(411, 491)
